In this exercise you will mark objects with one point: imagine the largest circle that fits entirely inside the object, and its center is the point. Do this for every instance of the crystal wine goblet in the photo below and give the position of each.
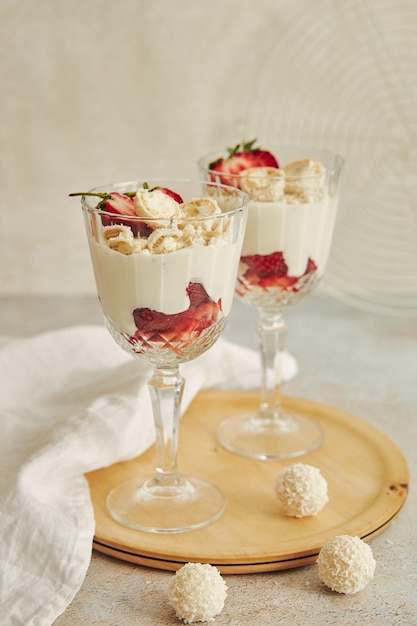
(165, 256)
(292, 213)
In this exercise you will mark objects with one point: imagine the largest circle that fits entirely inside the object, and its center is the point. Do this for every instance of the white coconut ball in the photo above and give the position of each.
(197, 592)
(302, 490)
(346, 564)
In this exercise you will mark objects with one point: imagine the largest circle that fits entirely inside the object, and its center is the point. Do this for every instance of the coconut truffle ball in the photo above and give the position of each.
(302, 490)
(197, 592)
(346, 564)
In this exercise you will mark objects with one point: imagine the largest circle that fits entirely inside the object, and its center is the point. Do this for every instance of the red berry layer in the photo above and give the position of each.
(154, 326)
(270, 270)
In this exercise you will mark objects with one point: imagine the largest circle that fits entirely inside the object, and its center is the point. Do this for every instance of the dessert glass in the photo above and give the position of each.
(166, 287)
(285, 250)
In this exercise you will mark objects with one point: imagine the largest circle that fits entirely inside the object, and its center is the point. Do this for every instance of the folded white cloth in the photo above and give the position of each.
(69, 404)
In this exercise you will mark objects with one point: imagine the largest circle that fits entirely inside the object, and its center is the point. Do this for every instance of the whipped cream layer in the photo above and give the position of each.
(159, 281)
(299, 230)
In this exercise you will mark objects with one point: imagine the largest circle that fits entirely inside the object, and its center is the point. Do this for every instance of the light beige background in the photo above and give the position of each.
(96, 90)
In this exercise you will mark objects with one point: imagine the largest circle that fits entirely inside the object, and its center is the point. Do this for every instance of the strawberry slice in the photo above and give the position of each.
(172, 194)
(270, 270)
(120, 205)
(242, 157)
(265, 265)
(161, 327)
(197, 294)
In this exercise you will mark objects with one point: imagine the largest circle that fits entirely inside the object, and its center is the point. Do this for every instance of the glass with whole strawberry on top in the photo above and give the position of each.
(165, 257)
(292, 211)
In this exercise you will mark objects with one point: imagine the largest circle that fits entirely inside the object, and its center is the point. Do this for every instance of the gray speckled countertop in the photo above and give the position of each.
(360, 362)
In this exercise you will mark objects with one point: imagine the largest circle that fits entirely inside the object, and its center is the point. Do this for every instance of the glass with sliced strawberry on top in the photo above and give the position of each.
(293, 202)
(165, 257)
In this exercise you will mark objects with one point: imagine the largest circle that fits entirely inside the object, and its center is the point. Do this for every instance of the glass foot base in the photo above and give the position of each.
(145, 504)
(259, 438)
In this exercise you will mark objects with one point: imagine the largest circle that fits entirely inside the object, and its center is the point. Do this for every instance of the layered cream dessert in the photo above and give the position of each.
(290, 226)
(290, 223)
(167, 273)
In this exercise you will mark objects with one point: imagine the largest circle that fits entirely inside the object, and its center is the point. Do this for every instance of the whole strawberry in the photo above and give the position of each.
(242, 157)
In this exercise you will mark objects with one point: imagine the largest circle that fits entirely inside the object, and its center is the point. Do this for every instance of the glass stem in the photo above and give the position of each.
(271, 334)
(166, 389)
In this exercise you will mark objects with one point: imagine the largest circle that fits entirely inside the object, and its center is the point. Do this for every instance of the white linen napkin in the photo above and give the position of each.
(69, 404)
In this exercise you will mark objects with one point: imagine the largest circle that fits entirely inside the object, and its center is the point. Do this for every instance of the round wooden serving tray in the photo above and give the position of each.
(366, 473)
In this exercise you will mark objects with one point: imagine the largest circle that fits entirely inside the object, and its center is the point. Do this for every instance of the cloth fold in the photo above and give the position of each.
(72, 401)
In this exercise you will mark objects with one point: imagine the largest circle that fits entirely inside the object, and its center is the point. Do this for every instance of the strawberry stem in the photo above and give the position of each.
(90, 193)
(245, 146)
(249, 146)
(104, 196)
(232, 151)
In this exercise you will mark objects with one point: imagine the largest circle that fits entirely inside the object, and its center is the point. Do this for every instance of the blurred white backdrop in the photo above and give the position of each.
(94, 91)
